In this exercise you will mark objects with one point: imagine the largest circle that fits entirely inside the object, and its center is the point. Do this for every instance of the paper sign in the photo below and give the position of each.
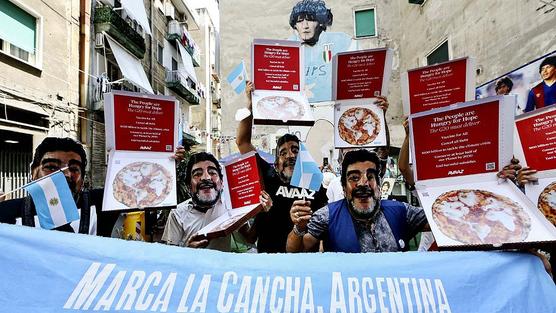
(277, 66)
(457, 142)
(438, 85)
(537, 134)
(243, 181)
(361, 74)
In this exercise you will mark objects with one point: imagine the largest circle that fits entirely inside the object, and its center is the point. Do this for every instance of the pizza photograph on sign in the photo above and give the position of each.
(458, 151)
(242, 190)
(361, 74)
(278, 96)
(358, 123)
(438, 85)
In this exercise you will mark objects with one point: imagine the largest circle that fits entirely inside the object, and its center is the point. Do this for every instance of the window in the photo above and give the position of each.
(20, 32)
(439, 55)
(160, 54)
(365, 23)
(174, 65)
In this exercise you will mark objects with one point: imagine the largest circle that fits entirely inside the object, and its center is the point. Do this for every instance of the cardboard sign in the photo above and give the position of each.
(537, 134)
(361, 74)
(279, 97)
(141, 136)
(140, 123)
(243, 186)
(458, 151)
(359, 123)
(462, 141)
(439, 85)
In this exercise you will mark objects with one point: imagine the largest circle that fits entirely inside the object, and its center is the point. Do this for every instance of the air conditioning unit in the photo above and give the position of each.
(99, 40)
(169, 11)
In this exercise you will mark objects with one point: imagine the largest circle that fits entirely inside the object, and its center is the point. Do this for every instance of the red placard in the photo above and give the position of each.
(538, 140)
(244, 182)
(276, 67)
(360, 75)
(458, 142)
(143, 124)
(437, 86)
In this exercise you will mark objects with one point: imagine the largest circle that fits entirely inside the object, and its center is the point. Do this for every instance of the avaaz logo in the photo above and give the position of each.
(456, 172)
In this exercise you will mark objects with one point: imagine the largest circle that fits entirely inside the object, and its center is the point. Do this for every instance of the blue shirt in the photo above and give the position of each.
(549, 97)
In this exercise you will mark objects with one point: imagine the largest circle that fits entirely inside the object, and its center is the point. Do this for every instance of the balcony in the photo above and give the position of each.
(109, 21)
(182, 85)
(178, 32)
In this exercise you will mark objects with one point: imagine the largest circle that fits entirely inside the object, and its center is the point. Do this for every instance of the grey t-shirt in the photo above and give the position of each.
(374, 235)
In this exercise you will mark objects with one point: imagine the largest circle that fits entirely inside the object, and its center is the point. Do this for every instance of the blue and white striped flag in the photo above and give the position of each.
(238, 77)
(306, 173)
(53, 200)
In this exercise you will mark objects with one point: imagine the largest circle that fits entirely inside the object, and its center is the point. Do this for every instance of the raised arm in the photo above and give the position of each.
(403, 158)
(244, 130)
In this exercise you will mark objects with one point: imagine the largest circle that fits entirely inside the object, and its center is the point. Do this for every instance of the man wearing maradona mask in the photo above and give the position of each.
(204, 182)
(361, 222)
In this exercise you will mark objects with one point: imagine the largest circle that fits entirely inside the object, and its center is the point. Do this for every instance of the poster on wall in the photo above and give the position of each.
(359, 123)
(526, 83)
(438, 85)
(537, 150)
(310, 21)
(243, 186)
(361, 74)
(141, 136)
(278, 98)
(458, 151)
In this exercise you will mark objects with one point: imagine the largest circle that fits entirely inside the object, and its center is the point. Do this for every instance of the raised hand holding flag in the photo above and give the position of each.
(238, 77)
(306, 173)
(53, 200)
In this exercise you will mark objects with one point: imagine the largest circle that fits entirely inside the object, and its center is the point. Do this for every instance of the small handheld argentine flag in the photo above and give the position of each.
(238, 77)
(53, 200)
(306, 173)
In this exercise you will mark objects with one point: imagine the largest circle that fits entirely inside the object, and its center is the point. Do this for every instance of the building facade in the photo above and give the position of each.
(499, 34)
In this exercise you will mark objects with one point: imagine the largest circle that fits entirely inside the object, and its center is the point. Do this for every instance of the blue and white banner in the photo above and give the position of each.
(238, 77)
(53, 200)
(49, 271)
(306, 173)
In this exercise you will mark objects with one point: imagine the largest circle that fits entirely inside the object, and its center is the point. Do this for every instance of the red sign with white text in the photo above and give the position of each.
(360, 75)
(538, 140)
(276, 67)
(458, 142)
(244, 182)
(437, 86)
(143, 124)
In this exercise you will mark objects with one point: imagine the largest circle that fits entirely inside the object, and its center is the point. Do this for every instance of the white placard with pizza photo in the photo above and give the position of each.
(458, 151)
(358, 123)
(279, 83)
(536, 149)
(135, 182)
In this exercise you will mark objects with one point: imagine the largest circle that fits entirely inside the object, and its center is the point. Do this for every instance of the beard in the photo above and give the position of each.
(364, 210)
(203, 200)
(285, 175)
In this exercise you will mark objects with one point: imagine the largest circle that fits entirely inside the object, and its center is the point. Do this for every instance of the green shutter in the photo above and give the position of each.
(17, 26)
(365, 23)
(439, 55)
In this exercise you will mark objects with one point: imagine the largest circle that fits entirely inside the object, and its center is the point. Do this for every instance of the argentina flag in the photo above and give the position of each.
(53, 200)
(306, 173)
(238, 77)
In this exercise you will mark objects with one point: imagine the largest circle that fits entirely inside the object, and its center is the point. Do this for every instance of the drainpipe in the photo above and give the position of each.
(84, 57)
(208, 96)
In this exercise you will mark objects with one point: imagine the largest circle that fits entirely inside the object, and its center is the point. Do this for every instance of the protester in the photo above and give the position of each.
(544, 93)
(271, 228)
(203, 179)
(360, 222)
(51, 155)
